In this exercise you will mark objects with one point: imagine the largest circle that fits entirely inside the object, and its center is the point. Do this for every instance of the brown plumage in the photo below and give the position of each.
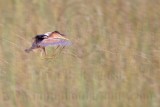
(48, 39)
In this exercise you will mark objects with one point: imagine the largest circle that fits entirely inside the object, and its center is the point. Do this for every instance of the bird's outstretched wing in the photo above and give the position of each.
(56, 34)
(54, 42)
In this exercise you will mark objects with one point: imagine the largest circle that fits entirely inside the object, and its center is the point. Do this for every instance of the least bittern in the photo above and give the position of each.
(49, 39)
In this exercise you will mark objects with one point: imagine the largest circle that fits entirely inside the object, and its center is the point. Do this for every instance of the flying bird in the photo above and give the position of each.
(48, 39)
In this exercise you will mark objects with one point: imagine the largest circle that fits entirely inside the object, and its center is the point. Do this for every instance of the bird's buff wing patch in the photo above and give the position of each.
(55, 42)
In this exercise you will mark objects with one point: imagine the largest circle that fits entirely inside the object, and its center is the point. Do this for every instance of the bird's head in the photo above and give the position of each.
(39, 38)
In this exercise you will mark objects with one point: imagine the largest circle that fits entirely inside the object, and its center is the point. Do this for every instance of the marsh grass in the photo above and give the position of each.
(113, 61)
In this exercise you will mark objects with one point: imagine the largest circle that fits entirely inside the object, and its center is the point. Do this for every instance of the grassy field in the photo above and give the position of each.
(114, 60)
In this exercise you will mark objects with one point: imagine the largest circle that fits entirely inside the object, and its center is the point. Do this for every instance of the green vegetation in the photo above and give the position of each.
(114, 60)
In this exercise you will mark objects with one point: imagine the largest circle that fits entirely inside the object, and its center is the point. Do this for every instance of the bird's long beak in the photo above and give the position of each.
(28, 50)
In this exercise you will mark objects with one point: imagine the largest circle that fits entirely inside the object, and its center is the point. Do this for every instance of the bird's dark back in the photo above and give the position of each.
(39, 38)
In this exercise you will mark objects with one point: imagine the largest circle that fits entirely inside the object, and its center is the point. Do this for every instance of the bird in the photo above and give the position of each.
(55, 38)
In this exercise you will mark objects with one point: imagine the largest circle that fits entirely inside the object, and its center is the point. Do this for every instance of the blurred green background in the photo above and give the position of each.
(114, 60)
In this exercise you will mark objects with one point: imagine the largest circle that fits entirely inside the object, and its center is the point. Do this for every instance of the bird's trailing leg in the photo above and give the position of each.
(61, 49)
(43, 51)
(58, 52)
(55, 50)
(57, 47)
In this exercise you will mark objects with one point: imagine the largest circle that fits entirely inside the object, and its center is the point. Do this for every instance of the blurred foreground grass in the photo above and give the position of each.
(114, 60)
